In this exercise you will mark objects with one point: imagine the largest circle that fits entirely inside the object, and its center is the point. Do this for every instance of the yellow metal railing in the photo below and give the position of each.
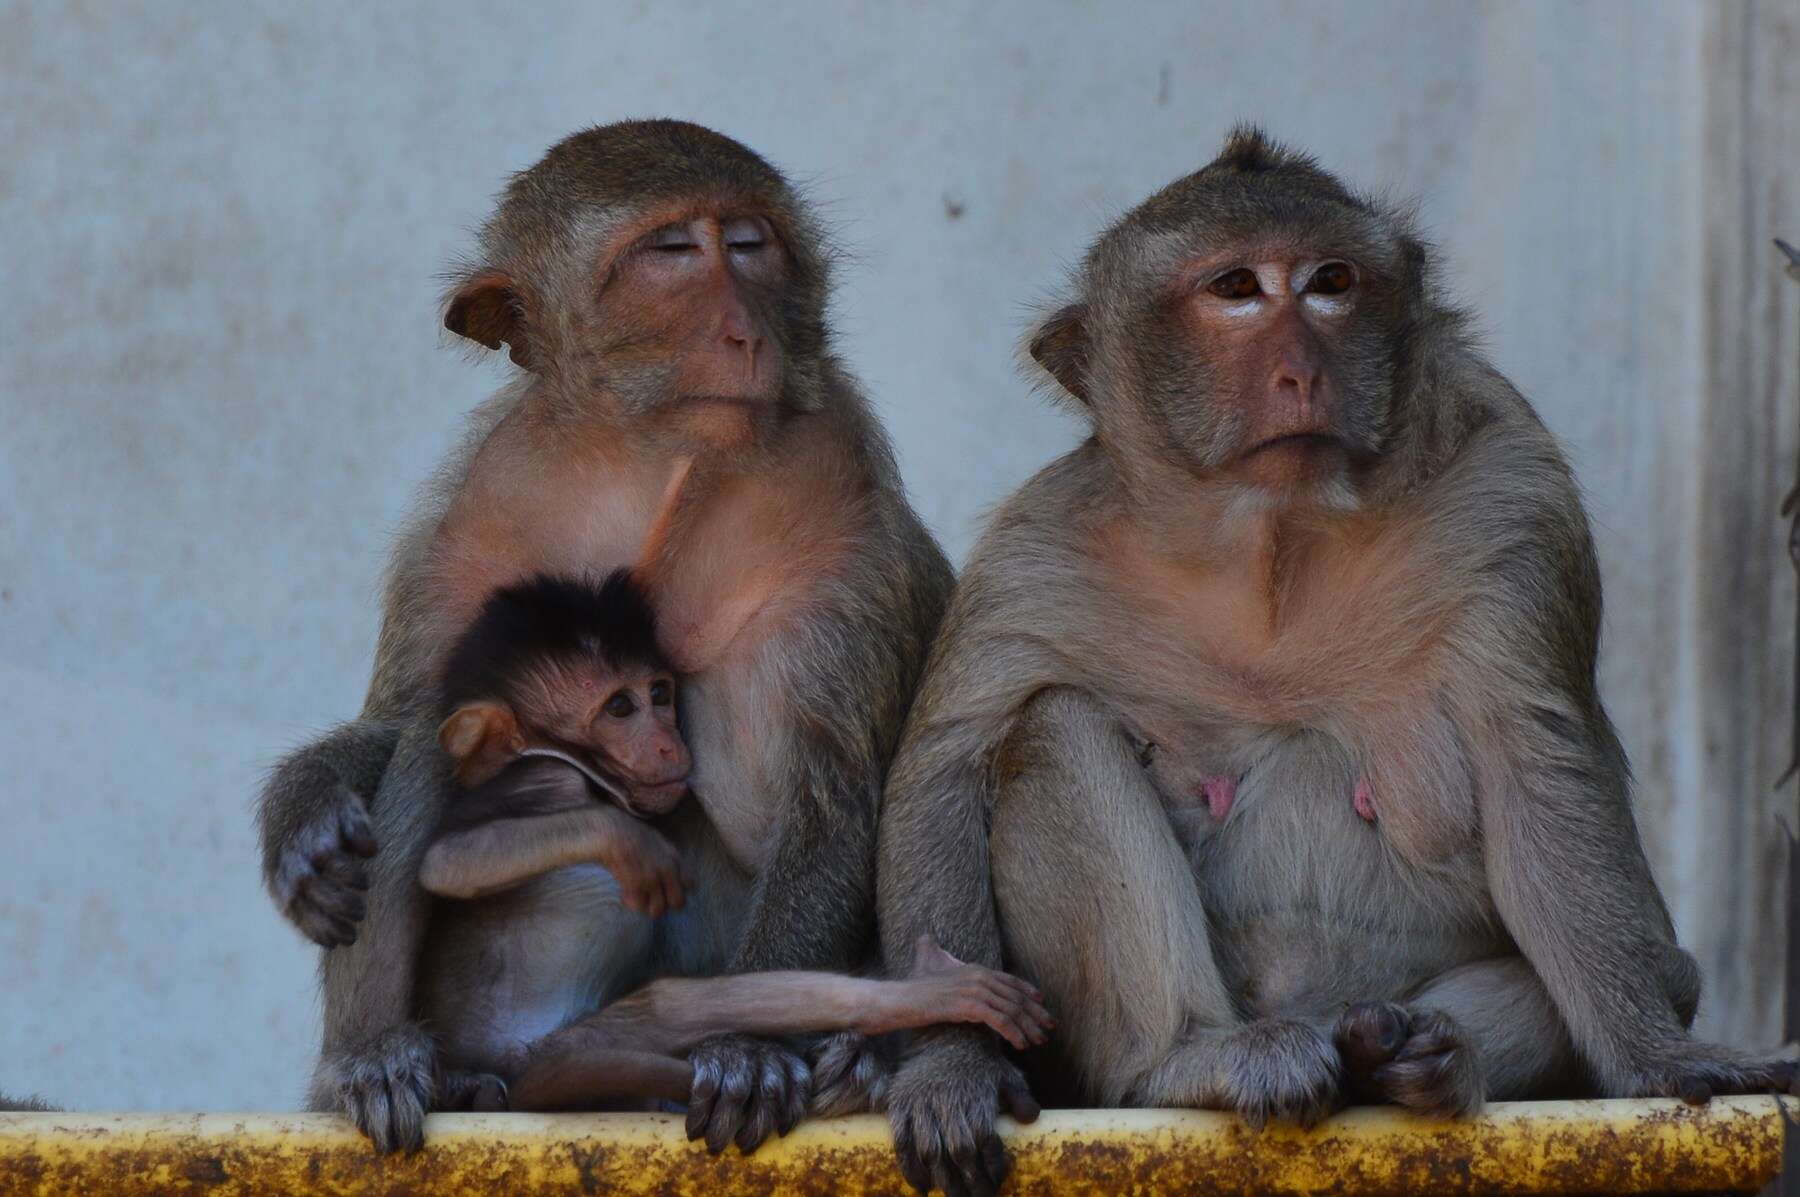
(1733, 1144)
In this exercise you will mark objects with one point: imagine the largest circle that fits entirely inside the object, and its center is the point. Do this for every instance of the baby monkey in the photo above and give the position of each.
(562, 730)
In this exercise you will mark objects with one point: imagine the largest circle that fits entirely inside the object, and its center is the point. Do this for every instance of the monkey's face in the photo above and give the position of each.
(689, 318)
(1275, 354)
(620, 722)
(632, 733)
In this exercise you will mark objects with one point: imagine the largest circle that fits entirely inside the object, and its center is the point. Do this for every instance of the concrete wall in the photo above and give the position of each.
(221, 378)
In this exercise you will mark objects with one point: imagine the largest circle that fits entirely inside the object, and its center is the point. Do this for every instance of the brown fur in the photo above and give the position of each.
(1148, 615)
(796, 590)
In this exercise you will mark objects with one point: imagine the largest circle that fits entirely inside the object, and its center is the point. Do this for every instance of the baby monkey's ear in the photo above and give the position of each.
(482, 738)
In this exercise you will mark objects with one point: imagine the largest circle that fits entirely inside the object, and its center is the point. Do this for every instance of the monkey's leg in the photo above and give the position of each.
(377, 1064)
(1098, 905)
(1487, 1030)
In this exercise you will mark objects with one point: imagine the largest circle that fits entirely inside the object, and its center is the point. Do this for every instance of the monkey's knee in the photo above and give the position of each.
(1681, 981)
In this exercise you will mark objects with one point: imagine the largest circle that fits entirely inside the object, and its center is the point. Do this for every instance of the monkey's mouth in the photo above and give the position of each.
(647, 801)
(1302, 442)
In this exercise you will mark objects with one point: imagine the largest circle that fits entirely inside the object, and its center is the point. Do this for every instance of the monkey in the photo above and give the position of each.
(1263, 733)
(560, 722)
(679, 399)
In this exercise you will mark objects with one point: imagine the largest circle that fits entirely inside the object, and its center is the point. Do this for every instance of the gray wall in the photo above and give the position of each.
(221, 378)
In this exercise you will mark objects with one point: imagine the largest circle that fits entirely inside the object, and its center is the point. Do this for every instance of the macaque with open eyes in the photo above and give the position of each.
(680, 405)
(563, 738)
(1263, 732)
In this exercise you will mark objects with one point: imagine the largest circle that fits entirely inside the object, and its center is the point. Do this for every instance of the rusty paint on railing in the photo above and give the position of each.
(1733, 1144)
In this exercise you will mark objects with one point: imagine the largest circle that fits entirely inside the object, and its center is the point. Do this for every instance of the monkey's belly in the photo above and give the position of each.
(1312, 904)
(502, 971)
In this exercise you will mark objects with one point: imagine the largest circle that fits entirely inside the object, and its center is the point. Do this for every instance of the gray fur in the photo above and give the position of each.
(841, 675)
(1041, 813)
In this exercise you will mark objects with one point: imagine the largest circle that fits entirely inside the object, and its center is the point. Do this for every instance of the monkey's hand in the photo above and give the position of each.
(1419, 1059)
(319, 877)
(1697, 1072)
(644, 863)
(1276, 1068)
(942, 988)
(942, 1106)
(385, 1088)
(850, 1075)
(745, 1088)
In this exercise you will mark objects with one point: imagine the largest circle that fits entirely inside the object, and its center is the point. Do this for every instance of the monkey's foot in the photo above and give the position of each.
(1413, 1058)
(1699, 1072)
(1274, 1068)
(480, 1091)
(386, 1087)
(942, 1107)
(745, 1089)
(849, 1076)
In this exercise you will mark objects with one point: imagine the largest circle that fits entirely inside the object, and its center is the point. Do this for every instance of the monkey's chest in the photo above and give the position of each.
(1330, 872)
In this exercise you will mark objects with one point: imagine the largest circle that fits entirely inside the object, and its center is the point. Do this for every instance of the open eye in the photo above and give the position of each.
(662, 692)
(745, 233)
(1235, 284)
(620, 706)
(1333, 278)
(673, 239)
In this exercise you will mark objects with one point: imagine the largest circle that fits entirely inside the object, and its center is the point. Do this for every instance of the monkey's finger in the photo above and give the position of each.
(947, 1176)
(728, 1108)
(912, 1163)
(354, 829)
(342, 869)
(1018, 1101)
(795, 1096)
(993, 1016)
(971, 1165)
(702, 1096)
(1694, 1091)
(334, 901)
(993, 1155)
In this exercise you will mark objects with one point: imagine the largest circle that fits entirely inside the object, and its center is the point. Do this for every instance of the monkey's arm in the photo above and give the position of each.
(500, 854)
(1564, 861)
(851, 665)
(313, 818)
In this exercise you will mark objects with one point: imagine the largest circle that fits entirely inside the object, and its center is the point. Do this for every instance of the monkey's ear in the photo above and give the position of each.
(1061, 346)
(482, 738)
(488, 310)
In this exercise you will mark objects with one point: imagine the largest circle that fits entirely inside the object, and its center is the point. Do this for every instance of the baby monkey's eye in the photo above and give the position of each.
(1333, 278)
(620, 705)
(1235, 284)
(662, 692)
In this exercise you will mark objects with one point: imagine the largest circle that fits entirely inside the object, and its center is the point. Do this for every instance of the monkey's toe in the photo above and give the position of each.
(1369, 1035)
(1434, 1071)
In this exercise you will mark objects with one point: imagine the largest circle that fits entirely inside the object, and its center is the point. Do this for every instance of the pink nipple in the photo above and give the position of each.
(1364, 800)
(1219, 792)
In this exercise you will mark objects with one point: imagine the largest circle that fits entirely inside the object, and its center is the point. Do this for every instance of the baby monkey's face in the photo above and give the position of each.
(625, 719)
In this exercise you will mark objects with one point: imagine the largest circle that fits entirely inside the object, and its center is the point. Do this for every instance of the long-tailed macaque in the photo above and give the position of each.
(560, 723)
(1275, 696)
(663, 290)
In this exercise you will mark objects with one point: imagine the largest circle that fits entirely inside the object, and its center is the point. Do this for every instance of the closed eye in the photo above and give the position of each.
(672, 239)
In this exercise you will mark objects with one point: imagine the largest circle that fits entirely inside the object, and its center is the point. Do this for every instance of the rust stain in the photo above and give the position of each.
(1733, 1144)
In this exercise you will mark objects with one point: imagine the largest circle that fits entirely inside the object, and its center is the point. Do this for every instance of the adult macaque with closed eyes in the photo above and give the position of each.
(561, 728)
(1278, 696)
(664, 291)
